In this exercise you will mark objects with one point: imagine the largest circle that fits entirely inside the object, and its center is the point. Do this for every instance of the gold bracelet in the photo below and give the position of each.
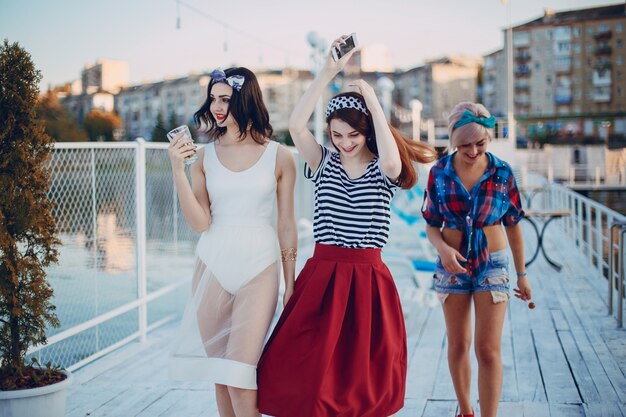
(288, 254)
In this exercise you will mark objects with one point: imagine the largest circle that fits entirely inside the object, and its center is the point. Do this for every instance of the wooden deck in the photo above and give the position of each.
(564, 358)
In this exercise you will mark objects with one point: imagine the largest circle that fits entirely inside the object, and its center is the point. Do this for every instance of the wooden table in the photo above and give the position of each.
(545, 217)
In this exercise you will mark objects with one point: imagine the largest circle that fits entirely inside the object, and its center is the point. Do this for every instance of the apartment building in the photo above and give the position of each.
(281, 91)
(105, 74)
(96, 88)
(569, 74)
(493, 91)
(439, 85)
(139, 106)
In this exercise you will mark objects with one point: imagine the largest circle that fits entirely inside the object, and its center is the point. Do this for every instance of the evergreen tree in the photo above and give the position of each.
(172, 122)
(27, 228)
(159, 133)
(284, 137)
(57, 121)
(101, 125)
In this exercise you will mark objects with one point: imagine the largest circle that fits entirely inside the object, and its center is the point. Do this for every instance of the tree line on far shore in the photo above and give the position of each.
(98, 125)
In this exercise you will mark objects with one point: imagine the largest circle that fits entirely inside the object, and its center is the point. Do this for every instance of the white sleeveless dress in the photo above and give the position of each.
(235, 283)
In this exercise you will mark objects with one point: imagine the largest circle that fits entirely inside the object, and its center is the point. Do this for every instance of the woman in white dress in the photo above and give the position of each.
(241, 200)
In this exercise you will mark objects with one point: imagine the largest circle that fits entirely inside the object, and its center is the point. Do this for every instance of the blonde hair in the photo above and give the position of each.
(470, 132)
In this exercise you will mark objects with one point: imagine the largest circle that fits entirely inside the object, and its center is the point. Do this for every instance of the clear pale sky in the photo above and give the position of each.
(64, 35)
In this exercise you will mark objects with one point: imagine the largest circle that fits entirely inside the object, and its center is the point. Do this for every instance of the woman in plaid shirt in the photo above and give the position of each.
(470, 194)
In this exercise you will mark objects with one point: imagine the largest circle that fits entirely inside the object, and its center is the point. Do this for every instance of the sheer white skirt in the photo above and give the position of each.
(233, 300)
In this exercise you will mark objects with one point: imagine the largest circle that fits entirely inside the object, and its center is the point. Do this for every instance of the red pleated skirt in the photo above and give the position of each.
(339, 347)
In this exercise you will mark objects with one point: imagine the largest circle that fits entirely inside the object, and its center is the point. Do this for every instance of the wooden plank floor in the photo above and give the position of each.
(565, 358)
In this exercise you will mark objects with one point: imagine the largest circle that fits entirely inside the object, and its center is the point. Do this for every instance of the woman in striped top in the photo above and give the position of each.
(339, 348)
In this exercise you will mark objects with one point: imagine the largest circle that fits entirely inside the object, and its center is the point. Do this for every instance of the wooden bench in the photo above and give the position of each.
(544, 216)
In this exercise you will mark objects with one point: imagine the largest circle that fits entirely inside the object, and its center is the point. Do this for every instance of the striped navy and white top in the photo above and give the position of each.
(352, 213)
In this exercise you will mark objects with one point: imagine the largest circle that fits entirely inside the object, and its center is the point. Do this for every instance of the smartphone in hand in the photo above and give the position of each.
(349, 44)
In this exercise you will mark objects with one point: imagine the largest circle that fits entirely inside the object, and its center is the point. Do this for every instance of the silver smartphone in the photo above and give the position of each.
(349, 44)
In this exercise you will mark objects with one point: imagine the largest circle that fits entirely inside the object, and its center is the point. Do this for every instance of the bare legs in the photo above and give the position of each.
(488, 334)
(224, 403)
(456, 310)
(489, 322)
(236, 402)
(234, 326)
(253, 310)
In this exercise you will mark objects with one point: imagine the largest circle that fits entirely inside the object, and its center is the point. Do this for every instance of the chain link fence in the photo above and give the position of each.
(127, 253)
(102, 266)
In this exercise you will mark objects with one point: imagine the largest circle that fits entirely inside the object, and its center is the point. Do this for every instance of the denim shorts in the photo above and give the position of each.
(495, 279)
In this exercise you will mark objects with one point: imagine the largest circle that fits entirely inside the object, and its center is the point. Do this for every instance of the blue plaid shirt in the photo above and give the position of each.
(494, 199)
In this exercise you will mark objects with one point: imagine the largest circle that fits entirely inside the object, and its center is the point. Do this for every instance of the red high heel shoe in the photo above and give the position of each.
(466, 415)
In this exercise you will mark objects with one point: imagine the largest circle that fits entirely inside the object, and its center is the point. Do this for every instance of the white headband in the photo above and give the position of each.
(345, 102)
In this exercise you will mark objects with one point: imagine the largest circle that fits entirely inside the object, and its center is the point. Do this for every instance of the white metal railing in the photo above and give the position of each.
(579, 174)
(126, 254)
(589, 226)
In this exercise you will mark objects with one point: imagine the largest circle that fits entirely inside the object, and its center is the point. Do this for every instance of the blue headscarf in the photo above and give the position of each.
(468, 117)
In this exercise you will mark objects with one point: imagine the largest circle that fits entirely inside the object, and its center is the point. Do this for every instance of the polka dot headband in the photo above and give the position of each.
(345, 102)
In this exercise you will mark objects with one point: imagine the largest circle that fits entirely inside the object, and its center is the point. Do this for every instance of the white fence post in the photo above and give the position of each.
(579, 224)
(94, 246)
(416, 116)
(175, 216)
(599, 244)
(142, 287)
(431, 131)
(550, 173)
(588, 233)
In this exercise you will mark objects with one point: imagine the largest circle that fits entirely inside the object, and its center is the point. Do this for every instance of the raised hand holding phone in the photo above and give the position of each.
(347, 44)
(336, 59)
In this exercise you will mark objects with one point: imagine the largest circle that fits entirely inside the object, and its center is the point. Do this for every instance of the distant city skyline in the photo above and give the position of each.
(63, 37)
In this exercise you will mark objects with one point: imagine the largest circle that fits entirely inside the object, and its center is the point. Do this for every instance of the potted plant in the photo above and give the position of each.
(27, 245)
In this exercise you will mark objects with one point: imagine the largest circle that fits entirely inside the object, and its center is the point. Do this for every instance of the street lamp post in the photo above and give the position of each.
(318, 49)
(509, 76)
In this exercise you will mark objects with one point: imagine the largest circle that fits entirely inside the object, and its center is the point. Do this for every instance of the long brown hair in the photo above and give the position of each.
(246, 106)
(410, 150)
